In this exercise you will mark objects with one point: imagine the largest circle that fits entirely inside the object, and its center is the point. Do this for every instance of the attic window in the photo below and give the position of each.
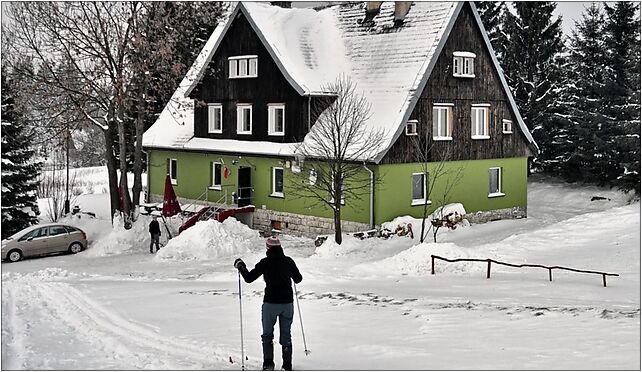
(464, 64)
(507, 126)
(411, 128)
(243, 67)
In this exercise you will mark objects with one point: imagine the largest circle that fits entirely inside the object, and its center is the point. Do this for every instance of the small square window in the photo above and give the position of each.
(507, 126)
(411, 128)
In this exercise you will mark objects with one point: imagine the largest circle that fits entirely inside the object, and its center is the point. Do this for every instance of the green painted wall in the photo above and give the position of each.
(393, 191)
(194, 177)
(393, 196)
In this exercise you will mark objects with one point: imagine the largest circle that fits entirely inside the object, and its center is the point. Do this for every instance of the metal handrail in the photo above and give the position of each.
(550, 268)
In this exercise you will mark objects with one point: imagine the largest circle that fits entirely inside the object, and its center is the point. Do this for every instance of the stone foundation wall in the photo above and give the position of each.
(297, 224)
(497, 214)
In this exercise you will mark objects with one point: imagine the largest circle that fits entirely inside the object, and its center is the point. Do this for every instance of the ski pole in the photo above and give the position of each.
(296, 295)
(241, 315)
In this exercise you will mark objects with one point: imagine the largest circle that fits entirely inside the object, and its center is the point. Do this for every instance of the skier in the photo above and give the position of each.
(155, 232)
(277, 270)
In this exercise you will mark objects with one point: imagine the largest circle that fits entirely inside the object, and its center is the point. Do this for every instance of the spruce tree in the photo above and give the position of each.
(532, 65)
(584, 156)
(19, 169)
(622, 94)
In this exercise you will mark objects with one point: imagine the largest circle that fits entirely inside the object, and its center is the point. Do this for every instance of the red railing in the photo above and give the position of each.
(550, 268)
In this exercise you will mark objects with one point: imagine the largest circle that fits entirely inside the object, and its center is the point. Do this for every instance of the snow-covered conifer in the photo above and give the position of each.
(19, 169)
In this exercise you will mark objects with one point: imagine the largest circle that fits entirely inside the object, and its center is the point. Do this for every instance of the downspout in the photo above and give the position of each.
(371, 194)
(309, 99)
(147, 193)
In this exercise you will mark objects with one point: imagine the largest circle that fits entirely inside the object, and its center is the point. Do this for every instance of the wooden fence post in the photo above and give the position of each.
(433, 264)
(604, 279)
(550, 275)
(488, 271)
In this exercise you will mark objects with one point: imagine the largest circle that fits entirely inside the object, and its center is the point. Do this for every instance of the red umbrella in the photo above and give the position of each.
(170, 204)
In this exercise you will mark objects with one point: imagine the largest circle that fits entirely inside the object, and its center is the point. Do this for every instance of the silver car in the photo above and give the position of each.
(41, 240)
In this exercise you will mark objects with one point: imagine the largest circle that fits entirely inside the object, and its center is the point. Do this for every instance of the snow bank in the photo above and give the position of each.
(210, 240)
(416, 261)
(117, 239)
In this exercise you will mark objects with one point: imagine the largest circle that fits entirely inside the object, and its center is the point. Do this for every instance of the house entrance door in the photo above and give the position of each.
(244, 191)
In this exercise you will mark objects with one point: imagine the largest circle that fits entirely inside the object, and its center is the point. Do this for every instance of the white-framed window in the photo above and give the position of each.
(277, 182)
(276, 119)
(419, 189)
(312, 178)
(507, 126)
(172, 168)
(464, 64)
(244, 118)
(479, 121)
(442, 121)
(217, 172)
(243, 67)
(495, 182)
(215, 118)
(411, 128)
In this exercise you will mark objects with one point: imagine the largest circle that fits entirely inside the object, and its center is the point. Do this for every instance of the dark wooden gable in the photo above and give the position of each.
(269, 87)
(484, 88)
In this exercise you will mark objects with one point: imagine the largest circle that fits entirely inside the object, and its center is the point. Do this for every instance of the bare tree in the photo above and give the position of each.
(433, 160)
(53, 185)
(336, 150)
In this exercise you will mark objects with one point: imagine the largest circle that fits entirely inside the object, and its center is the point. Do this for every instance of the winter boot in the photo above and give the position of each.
(268, 357)
(287, 357)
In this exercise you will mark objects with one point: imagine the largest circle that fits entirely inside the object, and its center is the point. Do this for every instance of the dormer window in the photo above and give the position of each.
(243, 67)
(464, 64)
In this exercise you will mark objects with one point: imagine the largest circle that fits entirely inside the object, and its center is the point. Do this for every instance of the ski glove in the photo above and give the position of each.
(239, 264)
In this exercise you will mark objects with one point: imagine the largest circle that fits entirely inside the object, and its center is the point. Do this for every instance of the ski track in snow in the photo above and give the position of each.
(131, 346)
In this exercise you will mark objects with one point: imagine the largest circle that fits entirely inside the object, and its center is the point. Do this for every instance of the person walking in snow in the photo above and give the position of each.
(155, 232)
(278, 270)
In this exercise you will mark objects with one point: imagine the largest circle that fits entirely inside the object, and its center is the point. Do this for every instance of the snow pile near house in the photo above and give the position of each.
(118, 240)
(416, 261)
(211, 239)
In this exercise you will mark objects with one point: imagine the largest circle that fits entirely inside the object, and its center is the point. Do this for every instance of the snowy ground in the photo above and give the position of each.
(369, 304)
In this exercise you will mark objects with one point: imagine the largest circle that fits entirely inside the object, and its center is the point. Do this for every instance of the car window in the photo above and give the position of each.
(71, 229)
(42, 232)
(57, 230)
(28, 235)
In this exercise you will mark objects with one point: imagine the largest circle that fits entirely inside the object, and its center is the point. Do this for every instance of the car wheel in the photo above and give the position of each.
(14, 256)
(75, 248)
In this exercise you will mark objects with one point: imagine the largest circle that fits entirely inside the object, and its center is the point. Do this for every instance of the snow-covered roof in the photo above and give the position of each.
(389, 65)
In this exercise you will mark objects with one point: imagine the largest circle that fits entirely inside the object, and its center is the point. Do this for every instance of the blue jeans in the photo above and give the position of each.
(269, 314)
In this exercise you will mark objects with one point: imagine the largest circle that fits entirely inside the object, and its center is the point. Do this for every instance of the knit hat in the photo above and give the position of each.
(272, 241)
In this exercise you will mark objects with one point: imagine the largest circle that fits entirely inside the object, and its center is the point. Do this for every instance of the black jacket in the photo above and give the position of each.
(154, 228)
(277, 270)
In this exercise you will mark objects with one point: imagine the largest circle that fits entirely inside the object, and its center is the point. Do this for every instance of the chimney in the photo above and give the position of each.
(372, 9)
(282, 4)
(401, 10)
